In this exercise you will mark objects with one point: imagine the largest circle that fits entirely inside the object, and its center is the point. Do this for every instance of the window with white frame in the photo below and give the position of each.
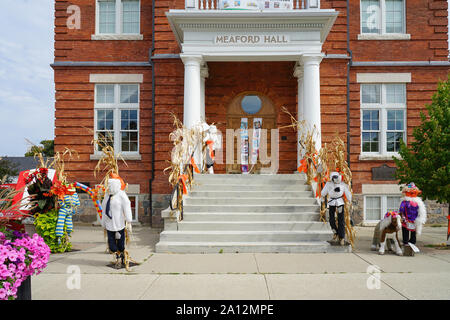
(383, 17)
(118, 17)
(117, 116)
(375, 207)
(134, 200)
(383, 118)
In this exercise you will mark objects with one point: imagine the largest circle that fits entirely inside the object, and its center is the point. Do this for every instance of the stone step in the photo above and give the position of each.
(247, 216)
(245, 236)
(248, 201)
(223, 186)
(251, 208)
(252, 226)
(249, 177)
(250, 194)
(250, 247)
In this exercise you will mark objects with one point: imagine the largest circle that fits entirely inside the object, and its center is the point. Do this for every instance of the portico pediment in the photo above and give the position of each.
(220, 35)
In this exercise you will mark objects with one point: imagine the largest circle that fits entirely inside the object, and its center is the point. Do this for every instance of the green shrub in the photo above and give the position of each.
(45, 224)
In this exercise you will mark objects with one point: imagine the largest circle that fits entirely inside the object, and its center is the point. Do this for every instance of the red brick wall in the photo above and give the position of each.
(426, 22)
(76, 45)
(74, 122)
(418, 94)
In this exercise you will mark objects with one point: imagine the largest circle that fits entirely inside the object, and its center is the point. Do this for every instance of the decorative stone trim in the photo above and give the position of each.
(378, 189)
(116, 78)
(136, 157)
(246, 26)
(380, 157)
(386, 36)
(117, 37)
(383, 77)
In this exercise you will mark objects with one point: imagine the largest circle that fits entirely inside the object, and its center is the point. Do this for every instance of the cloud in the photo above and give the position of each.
(26, 78)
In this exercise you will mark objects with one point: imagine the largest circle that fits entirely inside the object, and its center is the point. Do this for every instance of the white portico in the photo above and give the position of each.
(252, 35)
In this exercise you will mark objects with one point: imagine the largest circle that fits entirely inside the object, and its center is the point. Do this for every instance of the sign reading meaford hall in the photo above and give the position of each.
(252, 39)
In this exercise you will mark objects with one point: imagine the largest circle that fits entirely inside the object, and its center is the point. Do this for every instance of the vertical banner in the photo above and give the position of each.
(257, 125)
(244, 145)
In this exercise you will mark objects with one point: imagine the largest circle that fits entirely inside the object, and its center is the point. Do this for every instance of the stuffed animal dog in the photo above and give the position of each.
(388, 227)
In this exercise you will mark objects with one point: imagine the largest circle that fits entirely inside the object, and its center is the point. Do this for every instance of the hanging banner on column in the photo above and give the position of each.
(244, 145)
(257, 125)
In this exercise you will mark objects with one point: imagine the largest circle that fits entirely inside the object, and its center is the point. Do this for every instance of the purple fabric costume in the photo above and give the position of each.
(409, 211)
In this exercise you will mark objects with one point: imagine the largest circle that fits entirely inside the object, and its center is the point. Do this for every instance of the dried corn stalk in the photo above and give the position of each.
(320, 164)
(59, 163)
(109, 161)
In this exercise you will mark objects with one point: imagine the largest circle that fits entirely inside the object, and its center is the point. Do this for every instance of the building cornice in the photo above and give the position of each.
(99, 64)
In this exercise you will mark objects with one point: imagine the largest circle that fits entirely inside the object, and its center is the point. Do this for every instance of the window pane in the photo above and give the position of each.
(394, 16)
(393, 141)
(370, 93)
(107, 137)
(370, 142)
(129, 93)
(129, 134)
(393, 203)
(373, 208)
(395, 93)
(105, 93)
(370, 16)
(131, 16)
(107, 16)
(371, 120)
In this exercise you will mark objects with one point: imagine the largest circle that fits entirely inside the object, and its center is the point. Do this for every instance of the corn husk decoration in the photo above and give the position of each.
(185, 142)
(320, 164)
(109, 161)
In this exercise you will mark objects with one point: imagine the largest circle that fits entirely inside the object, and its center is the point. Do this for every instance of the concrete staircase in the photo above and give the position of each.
(248, 213)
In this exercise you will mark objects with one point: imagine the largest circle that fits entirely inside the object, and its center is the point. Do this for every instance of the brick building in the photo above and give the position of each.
(360, 69)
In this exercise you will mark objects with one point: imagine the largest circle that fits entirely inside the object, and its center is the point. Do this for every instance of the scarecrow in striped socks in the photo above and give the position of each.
(68, 201)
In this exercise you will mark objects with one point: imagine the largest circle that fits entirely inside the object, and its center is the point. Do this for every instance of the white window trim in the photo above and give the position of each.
(118, 35)
(382, 107)
(117, 107)
(136, 208)
(383, 35)
(367, 222)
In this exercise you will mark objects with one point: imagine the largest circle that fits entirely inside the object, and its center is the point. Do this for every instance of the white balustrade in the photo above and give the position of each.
(215, 4)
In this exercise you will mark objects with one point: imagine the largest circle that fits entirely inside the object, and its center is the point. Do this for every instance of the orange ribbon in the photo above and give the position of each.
(196, 169)
(183, 179)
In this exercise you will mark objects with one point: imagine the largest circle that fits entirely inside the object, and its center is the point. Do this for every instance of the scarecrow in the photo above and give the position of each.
(68, 201)
(336, 189)
(386, 232)
(212, 141)
(414, 216)
(116, 218)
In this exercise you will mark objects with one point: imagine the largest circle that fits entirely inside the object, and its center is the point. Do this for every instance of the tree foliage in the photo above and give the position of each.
(426, 161)
(7, 170)
(47, 148)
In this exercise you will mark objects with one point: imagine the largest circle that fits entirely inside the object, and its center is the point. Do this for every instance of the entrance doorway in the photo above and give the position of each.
(252, 106)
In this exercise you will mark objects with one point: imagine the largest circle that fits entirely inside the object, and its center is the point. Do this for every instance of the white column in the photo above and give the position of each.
(298, 73)
(311, 89)
(203, 75)
(192, 89)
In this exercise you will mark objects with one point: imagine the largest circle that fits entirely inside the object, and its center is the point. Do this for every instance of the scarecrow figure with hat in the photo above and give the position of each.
(414, 216)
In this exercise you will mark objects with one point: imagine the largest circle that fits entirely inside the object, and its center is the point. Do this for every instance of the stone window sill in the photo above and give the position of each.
(377, 157)
(386, 36)
(117, 37)
(137, 157)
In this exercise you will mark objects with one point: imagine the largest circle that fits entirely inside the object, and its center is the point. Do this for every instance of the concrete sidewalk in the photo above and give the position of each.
(245, 276)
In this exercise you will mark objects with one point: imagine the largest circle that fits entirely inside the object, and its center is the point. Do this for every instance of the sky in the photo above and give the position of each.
(26, 78)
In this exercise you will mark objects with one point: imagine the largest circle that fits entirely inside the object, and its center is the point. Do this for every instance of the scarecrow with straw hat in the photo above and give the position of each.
(414, 216)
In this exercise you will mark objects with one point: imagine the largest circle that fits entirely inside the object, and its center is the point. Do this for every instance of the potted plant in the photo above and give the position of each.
(21, 256)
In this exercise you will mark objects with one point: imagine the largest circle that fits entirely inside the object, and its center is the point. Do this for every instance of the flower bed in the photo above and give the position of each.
(21, 256)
